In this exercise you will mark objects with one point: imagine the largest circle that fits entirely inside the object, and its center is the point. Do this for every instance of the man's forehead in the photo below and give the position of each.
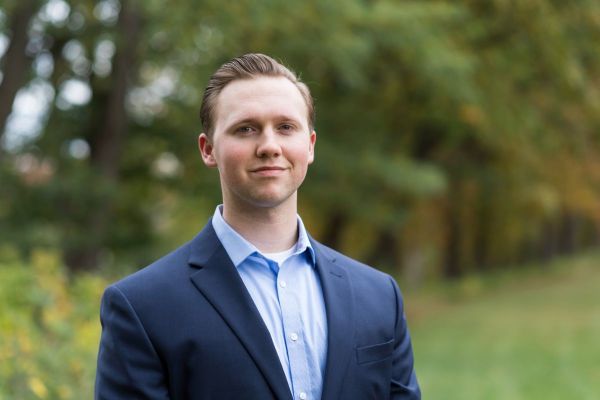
(262, 96)
(261, 86)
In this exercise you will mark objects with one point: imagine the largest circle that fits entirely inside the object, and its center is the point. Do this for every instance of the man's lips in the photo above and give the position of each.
(270, 170)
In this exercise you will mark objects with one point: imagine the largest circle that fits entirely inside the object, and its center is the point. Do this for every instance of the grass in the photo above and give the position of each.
(519, 335)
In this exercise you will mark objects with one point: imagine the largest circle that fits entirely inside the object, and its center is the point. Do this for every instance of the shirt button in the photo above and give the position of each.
(303, 396)
(282, 284)
(294, 337)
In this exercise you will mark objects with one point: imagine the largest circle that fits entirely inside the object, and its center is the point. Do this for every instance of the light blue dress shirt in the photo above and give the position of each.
(289, 298)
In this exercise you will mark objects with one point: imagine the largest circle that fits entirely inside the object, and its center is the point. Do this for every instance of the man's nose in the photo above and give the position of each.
(268, 144)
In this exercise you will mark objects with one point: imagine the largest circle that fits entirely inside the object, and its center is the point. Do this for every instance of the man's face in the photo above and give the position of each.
(262, 143)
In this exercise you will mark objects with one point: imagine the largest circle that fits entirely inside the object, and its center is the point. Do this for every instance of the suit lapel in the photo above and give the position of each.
(338, 303)
(222, 286)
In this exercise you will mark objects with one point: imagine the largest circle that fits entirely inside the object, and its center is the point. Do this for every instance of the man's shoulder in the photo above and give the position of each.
(372, 289)
(159, 273)
(350, 265)
(170, 269)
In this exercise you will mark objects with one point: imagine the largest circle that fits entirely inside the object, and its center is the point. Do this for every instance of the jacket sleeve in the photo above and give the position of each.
(404, 383)
(128, 365)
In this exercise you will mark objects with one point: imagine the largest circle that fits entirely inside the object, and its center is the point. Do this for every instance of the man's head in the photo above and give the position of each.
(248, 66)
(258, 132)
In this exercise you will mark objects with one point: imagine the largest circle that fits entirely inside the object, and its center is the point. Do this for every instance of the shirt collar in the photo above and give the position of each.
(239, 248)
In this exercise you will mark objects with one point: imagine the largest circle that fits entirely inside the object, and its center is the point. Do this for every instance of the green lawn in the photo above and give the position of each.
(523, 335)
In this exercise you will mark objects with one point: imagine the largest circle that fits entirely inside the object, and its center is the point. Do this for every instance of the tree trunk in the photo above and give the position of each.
(108, 138)
(15, 63)
(568, 236)
(482, 232)
(387, 252)
(548, 241)
(333, 233)
(451, 266)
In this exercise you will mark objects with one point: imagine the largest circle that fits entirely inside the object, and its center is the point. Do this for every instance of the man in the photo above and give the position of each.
(253, 307)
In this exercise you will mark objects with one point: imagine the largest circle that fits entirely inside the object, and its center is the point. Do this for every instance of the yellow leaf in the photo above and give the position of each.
(65, 392)
(38, 387)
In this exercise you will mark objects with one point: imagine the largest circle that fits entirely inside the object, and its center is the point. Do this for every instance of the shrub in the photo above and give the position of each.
(49, 329)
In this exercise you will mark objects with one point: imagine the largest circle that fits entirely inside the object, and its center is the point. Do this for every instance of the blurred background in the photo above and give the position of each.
(458, 149)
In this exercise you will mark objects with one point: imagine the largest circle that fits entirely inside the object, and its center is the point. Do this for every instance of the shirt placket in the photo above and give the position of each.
(293, 332)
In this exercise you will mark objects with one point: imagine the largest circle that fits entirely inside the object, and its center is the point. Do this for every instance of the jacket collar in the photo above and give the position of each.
(217, 279)
(337, 294)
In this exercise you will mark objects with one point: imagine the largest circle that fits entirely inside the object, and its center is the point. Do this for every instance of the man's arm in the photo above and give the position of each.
(404, 383)
(128, 366)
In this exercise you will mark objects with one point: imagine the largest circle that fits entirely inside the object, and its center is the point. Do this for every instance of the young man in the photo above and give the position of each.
(253, 307)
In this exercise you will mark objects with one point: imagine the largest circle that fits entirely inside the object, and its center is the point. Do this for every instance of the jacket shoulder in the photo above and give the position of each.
(157, 275)
(353, 267)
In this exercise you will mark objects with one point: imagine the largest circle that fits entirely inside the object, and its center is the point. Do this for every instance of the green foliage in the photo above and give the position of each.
(475, 120)
(49, 330)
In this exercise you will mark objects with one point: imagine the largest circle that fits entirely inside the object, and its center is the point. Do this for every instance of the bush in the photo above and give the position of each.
(49, 329)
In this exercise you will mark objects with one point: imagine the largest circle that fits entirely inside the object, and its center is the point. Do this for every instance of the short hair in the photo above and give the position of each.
(248, 66)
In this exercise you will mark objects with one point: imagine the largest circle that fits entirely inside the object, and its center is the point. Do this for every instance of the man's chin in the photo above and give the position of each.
(270, 200)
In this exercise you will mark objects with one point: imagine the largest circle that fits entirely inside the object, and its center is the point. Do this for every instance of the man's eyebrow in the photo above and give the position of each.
(243, 121)
(284, 117)
(252, 120)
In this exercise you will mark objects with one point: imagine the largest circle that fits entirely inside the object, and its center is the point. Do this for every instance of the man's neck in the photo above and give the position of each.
(269, 229)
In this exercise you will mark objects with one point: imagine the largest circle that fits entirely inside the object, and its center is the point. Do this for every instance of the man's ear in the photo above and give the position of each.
(311, 149)
(206, 150)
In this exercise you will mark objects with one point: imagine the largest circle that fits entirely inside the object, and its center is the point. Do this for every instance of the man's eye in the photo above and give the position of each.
(244, 129)
(286, 127)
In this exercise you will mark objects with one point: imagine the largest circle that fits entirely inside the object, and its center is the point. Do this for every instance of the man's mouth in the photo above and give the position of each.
(268, 170)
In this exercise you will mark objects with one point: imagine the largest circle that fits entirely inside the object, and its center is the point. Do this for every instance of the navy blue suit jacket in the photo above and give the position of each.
(185, 327)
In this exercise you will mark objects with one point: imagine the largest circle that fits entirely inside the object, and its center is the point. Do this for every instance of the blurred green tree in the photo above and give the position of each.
(452, 136)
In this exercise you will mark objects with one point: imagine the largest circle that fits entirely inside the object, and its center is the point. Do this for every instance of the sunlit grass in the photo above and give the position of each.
(536, 336)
